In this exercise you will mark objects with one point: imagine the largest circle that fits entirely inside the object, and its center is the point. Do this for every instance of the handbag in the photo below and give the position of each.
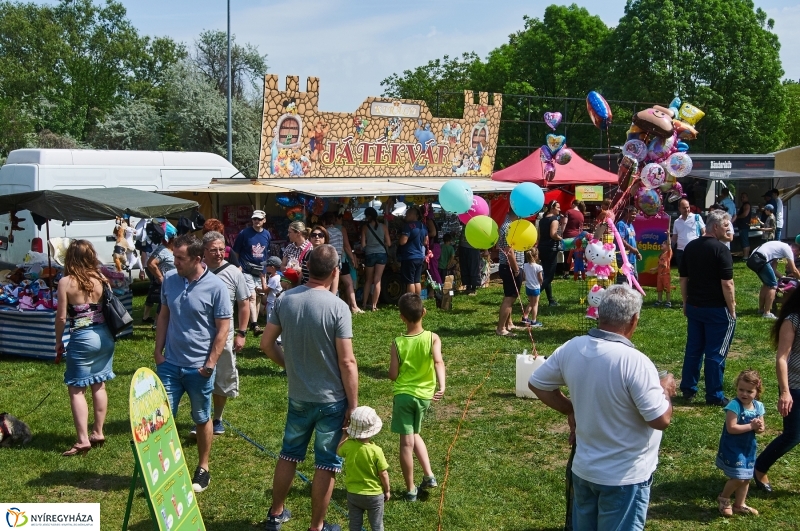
(756, 261)
(116, 316)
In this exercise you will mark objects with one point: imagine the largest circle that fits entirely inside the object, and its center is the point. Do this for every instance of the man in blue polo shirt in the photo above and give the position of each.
(252, 247)
(192, 329)
(413, 240)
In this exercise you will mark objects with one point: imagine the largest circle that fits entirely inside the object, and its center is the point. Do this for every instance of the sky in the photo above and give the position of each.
(352, 45)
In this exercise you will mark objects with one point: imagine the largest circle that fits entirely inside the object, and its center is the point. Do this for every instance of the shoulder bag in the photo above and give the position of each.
(756, 261)
(116, 316)
(376, 237)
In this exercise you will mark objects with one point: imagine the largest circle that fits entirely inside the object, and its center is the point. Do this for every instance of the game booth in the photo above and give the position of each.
(28, 299)
(387, 151)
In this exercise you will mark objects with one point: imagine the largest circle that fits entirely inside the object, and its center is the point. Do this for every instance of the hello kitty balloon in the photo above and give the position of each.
(595, 296)
(599, 258)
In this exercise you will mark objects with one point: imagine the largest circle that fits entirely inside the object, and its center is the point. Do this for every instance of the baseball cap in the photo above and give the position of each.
(364, 423)
(769, 207)
(274, 261)
(768, 193)
(260, 214)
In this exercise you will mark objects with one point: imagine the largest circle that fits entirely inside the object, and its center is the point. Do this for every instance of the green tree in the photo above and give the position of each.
(792, 128)
(248, 65)
(720, 55)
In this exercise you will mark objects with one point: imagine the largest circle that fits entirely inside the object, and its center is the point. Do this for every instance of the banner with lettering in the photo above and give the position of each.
(158, 447)
(383, 137)
(650, 234)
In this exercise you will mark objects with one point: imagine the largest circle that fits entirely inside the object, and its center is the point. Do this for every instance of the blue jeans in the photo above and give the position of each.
(609, 508)
(323, 419)
(784, 442)
(179, 380)
(709, 332)
(778, 233)
(767, 276)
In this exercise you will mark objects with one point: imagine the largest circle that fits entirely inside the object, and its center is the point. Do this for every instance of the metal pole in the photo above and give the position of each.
(230, 120)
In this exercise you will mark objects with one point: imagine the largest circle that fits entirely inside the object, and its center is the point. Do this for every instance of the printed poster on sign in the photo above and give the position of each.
(158, 448)
(650, 234)
(589, 193)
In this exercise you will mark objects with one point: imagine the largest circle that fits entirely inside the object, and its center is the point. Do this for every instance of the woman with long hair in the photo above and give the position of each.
(91, 346)
(548, 247)
(338, 238)
(375, 242)
(786, 337)
(295, 254)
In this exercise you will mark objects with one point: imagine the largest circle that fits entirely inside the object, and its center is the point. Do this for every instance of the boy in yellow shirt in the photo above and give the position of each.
(416, 366)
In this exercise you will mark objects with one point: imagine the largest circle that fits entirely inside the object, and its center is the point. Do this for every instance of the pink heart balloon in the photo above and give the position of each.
(552, 119)
(549, 171)
(479, 208)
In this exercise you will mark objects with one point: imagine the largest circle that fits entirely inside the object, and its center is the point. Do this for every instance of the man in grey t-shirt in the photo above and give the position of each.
(317, 353)
(226, 379)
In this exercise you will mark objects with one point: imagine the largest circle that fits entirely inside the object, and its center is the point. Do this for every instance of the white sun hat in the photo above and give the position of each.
(364, 423)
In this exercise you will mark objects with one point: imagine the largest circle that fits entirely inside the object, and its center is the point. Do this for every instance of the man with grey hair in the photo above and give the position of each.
(317, 352)
(709, 304)
(226, 380)
(617, 447)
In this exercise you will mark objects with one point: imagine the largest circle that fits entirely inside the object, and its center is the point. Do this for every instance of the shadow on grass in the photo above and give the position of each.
(270, 371)
(82, 480)
(376, 372)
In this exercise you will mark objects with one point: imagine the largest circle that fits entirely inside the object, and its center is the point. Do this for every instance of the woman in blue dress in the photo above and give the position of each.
(744, 417)
(90, 353)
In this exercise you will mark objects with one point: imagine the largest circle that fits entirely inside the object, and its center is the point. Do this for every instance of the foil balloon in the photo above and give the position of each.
(479, 208)
(599, 110)
(563, 156)
(648, 201)
(635, 149)
(679, 164)
(691, 114)
(521, 235)
(555, 142)
(684, 130)
(654, 121)
(285, 201)
(626, 172)
(683, 147)
(545, 154)
(675, 193)
(653, 176)
(660, 148)
(526, 199)
(549, 171)
(552, 119)
(674, 106)
(295, 213)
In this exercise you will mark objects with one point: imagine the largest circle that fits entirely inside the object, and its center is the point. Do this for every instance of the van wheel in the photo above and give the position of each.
(392, 287)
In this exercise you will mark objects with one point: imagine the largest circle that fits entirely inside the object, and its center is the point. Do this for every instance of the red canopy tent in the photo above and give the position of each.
(578, 171)
(529, 169)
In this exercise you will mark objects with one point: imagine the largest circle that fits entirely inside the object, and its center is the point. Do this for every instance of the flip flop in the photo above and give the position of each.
(507, 334)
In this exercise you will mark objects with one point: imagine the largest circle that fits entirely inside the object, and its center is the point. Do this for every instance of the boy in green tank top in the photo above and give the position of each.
(416, 366)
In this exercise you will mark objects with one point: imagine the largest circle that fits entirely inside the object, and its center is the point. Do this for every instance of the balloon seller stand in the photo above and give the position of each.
(138, 475)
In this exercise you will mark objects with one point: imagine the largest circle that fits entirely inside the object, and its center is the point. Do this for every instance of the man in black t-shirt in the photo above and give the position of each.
(706, 277)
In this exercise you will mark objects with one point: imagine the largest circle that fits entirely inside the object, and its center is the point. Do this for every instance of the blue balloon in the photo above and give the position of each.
(683, 146)
(527, 199)
(455, 196)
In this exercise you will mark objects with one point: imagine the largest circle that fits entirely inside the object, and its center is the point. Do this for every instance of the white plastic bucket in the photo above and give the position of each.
(526, 364)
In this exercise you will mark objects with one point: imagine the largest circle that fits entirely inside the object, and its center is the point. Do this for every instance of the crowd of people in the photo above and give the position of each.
(197, 283)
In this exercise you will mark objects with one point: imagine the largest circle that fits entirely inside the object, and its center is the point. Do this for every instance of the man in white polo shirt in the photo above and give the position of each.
(617, 409)
(687, 227)
(763, 263)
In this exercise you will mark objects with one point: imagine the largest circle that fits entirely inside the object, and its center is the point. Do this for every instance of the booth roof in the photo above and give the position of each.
(578, 171)
(349, 187)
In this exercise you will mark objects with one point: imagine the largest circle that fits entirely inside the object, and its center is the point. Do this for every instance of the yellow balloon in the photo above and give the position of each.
(521, 235)
(691, 114)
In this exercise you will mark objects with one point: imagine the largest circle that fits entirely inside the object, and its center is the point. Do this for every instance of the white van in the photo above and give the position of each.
(52, 169)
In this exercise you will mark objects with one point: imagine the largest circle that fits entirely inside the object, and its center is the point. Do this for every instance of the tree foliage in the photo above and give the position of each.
(720, 55)
(792, 128)
(248, 65)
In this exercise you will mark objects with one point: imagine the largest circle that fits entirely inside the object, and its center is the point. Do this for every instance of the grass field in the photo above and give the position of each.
(506, 468)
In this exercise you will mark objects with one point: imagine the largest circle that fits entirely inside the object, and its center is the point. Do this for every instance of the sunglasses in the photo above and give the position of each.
(317, 235)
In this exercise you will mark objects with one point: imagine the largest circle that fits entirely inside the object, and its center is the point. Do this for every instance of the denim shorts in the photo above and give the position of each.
(179, 380)
(323, 419)
(411, 271)
(532, 292)
(598, 506)
(373, 259)
(767, 276)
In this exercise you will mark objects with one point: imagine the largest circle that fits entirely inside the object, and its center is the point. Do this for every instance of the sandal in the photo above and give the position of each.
(724, 506)
(507, 334)
(357, 310)
(97, 443)
(744, 510)
(75, 450)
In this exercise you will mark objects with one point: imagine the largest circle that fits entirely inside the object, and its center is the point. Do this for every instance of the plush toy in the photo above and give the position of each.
(122, 246)
(599, 257)
(595, 296)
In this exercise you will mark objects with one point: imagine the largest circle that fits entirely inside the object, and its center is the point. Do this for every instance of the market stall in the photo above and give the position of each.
(28, 302)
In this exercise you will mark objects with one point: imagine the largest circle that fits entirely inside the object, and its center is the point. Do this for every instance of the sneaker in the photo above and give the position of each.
(657, 303)
(274, 521)
(219, 428)
(149, 320)
(328, 527)
(768, 315)
(721, 402)
(526, 321)
(724, 506)
(257, 330)
(201, 479)
(428, 483)
(193, 433)
(744, 510)
(553, 303)
(688, 397)
(411, 496)
(537, 324)
(667, 305)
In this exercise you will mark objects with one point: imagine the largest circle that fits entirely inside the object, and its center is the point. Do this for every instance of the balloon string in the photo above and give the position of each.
(528, 327)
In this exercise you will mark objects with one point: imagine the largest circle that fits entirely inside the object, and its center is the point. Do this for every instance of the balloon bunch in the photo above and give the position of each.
(555, 150)
(526, 200)
(655, 154)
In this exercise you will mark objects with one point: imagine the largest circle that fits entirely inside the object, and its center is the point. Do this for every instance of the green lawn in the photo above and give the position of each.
(506, 467)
